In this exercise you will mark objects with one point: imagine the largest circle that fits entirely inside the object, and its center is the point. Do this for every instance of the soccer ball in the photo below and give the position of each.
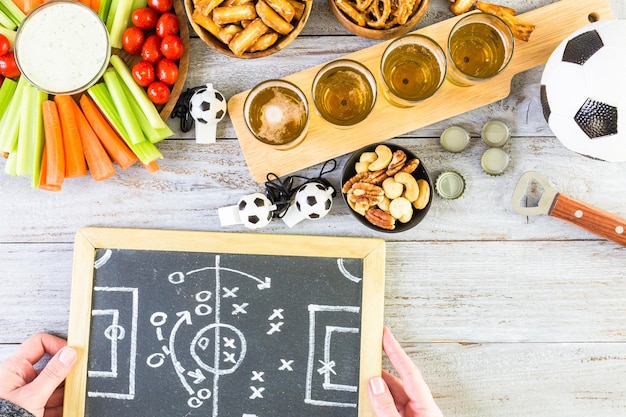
(313, 200)
(583, 91)
(255, 210)
(207, 107)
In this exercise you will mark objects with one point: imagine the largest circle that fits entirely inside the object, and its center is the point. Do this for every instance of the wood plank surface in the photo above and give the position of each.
(506, 315)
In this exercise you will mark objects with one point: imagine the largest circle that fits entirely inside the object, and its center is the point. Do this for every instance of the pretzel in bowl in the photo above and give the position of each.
(520, 29)
(378, 14)
(248, 25)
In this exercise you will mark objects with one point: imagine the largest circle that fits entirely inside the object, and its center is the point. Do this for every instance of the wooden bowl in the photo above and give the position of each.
(349, 171)
(380, 34)
(221, 47)
(183, 63)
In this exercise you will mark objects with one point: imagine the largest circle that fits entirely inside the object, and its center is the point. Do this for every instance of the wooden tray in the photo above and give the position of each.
(553, 24)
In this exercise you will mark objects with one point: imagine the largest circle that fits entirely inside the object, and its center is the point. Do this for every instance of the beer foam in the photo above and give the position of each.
(280, 115)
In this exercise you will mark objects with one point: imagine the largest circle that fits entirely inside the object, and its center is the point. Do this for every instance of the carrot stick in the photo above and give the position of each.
(86, 3)
(75, 165)
(54, 155)
(19, 4)
(95, 5)
(115, 146)
(100, 165)
(31, 4)
(43, 184)
(152, 167)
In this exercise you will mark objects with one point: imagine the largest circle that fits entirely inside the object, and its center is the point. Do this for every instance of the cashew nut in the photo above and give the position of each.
(384, 157)
(361, 166)
(412, 189)
(401, 209)
(424, 195)
(368, 157)
(392, 188)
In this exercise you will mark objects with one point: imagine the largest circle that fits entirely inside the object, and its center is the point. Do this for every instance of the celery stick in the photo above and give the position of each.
(103, 12)
(39, 139)
(11, 10)
(154, 135)
(6, 94)
(26, 132)
(9, 124)
(6, 21)
(120, 22)
(140, 95)
(118, 96)
(111, 14)
(9, 34)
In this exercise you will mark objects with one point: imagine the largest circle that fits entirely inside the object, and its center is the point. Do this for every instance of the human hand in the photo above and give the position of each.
(40, 392)
(408, 396)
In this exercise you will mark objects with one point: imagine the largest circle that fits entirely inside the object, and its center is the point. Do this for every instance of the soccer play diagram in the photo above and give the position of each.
(223, 336)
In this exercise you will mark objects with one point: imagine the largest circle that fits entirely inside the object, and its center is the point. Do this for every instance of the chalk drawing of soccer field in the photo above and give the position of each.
(114, 323)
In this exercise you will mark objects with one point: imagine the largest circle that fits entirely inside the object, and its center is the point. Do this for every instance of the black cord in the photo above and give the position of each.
(280, 192)
(183, 106)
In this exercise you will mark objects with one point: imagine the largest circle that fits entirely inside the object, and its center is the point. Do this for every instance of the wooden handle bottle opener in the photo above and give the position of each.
(555, 204)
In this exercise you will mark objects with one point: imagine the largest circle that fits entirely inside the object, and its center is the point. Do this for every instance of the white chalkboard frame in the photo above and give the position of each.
(89, 239)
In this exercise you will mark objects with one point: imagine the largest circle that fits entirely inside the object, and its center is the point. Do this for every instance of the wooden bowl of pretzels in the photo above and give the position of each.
(378, 19)
(251, 29)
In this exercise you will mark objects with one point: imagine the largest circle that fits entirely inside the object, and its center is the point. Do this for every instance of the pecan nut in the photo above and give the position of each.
(398, 160)
(365, 193)
(410, 166)
(380, 219)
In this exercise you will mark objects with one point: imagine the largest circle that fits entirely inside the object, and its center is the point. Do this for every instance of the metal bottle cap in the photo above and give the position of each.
(450, 185)
(494, 161)
(454, 139)
(495, 133)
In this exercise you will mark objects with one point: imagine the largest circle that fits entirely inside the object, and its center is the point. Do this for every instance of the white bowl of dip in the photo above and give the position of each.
(62, 47)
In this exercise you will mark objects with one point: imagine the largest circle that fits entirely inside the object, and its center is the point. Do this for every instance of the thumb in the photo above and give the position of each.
(381, 399)
(54, 373)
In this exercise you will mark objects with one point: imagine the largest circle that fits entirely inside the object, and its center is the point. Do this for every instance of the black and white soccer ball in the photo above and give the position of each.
(313, 200)
(207, 106)
(583, 90)
(255, 210)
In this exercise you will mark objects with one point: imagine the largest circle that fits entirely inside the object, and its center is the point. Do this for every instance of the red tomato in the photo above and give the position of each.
(167, 25)
(145, 18)
(5, 45)
(8, 66)
(167, 71)
(143, 73)
(161, 6)
(151, 50)
(172, 47)
(132, 40)
(158, 92)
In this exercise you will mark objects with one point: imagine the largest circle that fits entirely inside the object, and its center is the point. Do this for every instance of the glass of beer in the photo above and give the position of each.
(413, 68)
(277, 113)
(344, 92)
(480, 46)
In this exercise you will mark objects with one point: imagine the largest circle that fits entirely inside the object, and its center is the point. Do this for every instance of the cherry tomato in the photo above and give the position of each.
(161, 6)
(172, 47)
(143, 73)
(132, 40)
(8, 66)
(145, 18)
(151, 50)
(167, 71)
(167, 25)
(158, 92)
(5, 45)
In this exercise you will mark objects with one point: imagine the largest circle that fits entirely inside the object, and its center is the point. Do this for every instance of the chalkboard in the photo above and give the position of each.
(178, 323)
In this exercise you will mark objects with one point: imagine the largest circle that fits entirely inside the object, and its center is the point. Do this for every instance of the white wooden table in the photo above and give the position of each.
(506, 315)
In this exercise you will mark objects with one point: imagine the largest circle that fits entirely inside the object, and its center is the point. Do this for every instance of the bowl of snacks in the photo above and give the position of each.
(254, 29)
(378, 19)
(386, 187)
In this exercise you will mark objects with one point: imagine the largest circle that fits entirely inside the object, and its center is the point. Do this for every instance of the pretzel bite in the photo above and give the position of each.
(376, 15)
(272, 19)
(228, 32)
(351, 12)
(247, 37)
(206, 22)
(283, 8)
(207, 6)
(232, 14)
(298, 7)
(264, 42)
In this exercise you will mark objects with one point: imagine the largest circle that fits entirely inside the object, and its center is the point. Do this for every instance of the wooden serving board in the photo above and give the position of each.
(553, 24)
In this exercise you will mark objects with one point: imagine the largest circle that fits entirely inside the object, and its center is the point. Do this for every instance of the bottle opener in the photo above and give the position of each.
(570, 210)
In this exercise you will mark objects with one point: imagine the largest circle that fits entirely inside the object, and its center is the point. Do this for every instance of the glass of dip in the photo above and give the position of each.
(62, 47)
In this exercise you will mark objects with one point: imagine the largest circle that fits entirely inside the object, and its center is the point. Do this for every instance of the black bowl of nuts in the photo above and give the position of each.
(387, 188)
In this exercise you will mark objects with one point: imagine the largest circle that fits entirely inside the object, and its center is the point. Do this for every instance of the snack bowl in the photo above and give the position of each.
(419, 8)
(216, 44)
(420, 173)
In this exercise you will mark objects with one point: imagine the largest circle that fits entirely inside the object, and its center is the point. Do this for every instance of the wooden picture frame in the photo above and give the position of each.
(89, 240)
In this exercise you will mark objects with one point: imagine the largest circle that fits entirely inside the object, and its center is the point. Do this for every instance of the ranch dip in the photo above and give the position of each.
(62, 47)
